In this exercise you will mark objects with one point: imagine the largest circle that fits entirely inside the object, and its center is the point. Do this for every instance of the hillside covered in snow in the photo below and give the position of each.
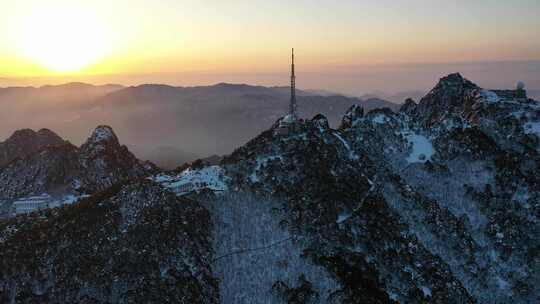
(438, 202)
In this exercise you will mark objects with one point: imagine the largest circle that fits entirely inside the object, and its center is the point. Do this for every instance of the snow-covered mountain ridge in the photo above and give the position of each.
(436, 203)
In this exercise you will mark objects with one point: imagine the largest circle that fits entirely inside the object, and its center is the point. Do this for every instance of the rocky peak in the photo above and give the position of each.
(102, 135)
(21, 134)
(408, 107)
(47, 133)
(102, 141)
(355, 112)
(45, 136)
(453, 94)
(453, 85)
(49, 170)
(65, 169)
(106, 161)
(321, 122)
(26, 142)
(452, 80)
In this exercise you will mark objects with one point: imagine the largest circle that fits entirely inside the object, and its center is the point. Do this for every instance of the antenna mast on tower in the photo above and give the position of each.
(293, 105)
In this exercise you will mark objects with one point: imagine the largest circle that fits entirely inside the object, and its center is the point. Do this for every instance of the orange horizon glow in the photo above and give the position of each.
(81, 38)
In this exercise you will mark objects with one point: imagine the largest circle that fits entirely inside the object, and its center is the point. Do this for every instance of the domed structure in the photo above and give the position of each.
(520, 90)
(288, 119)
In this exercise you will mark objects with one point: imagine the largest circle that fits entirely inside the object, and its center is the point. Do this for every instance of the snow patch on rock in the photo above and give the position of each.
(380, 119)
(342, 217)
(426, 291)
(352, 154)
(532, 128)
(490, 96)
(71, 199)
(422, 148)
(102, 133)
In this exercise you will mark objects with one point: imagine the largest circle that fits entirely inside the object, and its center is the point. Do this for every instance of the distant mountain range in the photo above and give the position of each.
(171, 125)
(534, 94)
(398, 97)
(196, 121)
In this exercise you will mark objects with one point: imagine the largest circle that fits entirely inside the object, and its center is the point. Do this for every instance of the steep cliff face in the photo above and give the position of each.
(132, 244)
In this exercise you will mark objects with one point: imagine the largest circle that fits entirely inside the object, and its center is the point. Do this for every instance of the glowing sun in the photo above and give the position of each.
(63, 40)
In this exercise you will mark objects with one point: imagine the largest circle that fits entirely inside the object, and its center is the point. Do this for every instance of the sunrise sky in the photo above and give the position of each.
(188, 42)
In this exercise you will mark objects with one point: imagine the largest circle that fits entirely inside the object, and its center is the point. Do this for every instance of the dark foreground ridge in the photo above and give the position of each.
(120, 246)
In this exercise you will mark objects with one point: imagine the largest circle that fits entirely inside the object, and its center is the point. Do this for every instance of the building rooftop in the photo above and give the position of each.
(511, 94)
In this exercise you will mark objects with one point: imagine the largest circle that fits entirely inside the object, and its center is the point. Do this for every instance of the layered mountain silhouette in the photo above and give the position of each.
(209, 120)
(437, 202)
(199, 121)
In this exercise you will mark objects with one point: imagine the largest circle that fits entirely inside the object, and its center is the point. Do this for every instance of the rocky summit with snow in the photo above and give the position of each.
(438, 202)
(42, 163)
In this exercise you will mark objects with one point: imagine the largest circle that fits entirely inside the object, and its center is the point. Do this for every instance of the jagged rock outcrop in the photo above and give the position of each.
(408, 107)
(136, 243)
(105, 162)
(453, 94)
(351, 116)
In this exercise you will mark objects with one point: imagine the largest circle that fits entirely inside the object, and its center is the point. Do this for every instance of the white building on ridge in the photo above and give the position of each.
(32, 203)
(35, 203)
